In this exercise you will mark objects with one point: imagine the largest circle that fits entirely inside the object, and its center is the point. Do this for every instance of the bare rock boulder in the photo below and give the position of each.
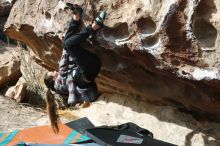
(18, 92)
(9, 64)
(165, 52)
(5, 8)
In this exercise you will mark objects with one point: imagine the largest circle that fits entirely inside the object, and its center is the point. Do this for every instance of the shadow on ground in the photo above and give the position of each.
(206, 130)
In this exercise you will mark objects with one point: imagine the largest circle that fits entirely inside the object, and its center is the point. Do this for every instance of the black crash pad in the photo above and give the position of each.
(81, 125)
(111, 137)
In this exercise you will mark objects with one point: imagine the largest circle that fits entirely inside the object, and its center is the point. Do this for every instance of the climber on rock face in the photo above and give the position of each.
(78, 67)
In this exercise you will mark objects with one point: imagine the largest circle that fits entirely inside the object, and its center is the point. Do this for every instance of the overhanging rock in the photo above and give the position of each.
(166, 52)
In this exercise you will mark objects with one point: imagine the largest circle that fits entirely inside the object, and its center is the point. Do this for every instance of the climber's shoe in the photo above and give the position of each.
(101, 18)
(75, 9)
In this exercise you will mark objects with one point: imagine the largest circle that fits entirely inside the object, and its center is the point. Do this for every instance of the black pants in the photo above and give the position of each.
(88, 63)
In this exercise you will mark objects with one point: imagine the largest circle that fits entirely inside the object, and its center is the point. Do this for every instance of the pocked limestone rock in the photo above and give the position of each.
(18, 92)
(31, 80)
(165, 52)
(5, 8)
(9, 64)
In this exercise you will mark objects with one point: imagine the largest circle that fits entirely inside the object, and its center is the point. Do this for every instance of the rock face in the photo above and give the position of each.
(17, 92)
(29, 87)
(165, 52)
(9, 64)
(9, 60)
(5, 8)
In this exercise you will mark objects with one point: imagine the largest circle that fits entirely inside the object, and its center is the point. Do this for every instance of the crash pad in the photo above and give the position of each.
(42, 134)
(128, 134)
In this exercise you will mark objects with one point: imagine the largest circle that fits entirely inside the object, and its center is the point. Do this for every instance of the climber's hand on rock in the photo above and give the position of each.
(76, 16)
(68, 10)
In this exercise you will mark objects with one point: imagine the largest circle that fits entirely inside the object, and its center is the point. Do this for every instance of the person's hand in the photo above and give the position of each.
(68, 10)
(95, 26)
(55, 75)
(76, 16)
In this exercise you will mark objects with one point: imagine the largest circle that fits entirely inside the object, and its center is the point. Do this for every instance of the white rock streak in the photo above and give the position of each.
(9, 1)
(196, 73)
(200, 74)
(46, 23)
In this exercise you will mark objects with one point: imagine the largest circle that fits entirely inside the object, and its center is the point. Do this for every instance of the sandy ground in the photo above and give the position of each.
(14, 115)
(18, 116)
(166, 123)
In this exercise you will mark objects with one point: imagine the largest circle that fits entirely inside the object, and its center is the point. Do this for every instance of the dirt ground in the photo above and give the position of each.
(166, 123)
(18, 116)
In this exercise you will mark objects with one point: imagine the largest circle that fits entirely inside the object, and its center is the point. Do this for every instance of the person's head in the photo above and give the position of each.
(49, 79)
